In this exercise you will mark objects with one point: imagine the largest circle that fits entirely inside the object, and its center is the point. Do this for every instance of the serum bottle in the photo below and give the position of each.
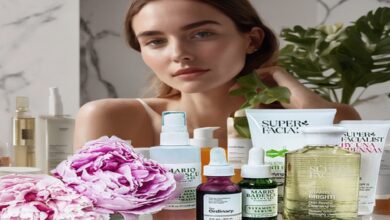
(259, 191)
(179, 157)
(203, 138)
(23, 136)
(219, 198)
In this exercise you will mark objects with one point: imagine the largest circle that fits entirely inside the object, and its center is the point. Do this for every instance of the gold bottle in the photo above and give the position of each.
(23, 135)
(322, 179)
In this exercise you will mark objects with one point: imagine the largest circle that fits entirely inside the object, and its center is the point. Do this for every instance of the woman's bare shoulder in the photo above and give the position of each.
(124, 118)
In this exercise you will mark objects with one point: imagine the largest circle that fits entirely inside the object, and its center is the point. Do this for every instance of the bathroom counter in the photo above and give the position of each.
(370, 217)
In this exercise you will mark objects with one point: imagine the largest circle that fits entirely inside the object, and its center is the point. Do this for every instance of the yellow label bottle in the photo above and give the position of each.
(322, 179)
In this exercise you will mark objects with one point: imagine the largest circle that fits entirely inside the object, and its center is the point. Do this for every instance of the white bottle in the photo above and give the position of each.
(203, 138)
(55, 134)
(178, 156)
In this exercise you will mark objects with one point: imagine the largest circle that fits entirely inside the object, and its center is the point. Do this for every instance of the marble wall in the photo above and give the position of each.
(39, 48)
(110, 69)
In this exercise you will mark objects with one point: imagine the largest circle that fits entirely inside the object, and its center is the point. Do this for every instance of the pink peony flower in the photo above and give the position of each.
(117, 179)
(42, 197)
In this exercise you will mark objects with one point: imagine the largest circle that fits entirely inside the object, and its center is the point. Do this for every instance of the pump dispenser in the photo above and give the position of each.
(322, 179)
(23, 134)
(54, 134)
(203, 138)
(219, 197)
(179, 157)
(259, 191)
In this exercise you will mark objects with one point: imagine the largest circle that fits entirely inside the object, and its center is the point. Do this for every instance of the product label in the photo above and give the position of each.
(222, 207)
(370, 144)
(260, 203)
(238, 149)
(322, 204)
(191, 179)
(59, 141)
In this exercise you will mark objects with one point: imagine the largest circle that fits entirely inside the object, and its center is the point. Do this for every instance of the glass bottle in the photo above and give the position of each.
(219, 198)
(259, 191)
(322, 179)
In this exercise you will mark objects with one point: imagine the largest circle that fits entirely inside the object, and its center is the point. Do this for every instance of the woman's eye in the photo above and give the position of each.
(156, 42)
(203, 34)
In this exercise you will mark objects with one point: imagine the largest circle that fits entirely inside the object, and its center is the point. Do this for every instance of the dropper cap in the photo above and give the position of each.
(203, 137)
(256, 169)
(174, 129)
(323, 135)
(218, 165)
(22, 104)
(55, 102)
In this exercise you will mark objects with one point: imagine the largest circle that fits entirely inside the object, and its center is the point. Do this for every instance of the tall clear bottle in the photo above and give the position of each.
(178, 156)
(23, 136)
(322, 179)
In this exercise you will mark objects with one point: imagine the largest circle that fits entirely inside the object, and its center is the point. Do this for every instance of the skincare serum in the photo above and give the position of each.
(219, 198)
(259, 191)
(322, 179)
(23, 135)
(179, 157)
(203, 138)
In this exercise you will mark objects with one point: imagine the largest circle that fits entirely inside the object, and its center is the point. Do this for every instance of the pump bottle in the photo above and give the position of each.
(259, 191)
(178, 156)
(54, 134)
(219, 198)
(203, 138)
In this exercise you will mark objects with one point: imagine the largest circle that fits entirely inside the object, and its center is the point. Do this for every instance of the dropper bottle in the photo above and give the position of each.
(259, 191)
(219, 197)
(203, 138)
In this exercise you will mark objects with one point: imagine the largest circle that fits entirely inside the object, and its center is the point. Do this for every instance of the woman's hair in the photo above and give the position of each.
(244, 17)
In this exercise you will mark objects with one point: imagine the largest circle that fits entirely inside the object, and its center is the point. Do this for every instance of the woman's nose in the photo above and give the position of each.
(181, 52)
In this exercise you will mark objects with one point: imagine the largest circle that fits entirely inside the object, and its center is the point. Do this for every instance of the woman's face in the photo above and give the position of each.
(190, 45)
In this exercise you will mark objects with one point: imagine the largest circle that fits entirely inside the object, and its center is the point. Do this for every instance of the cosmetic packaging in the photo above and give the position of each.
(237, 145)
(203, 138)
(19, 170)
(54, 134)
(259, 191)
(322, 179)
(144, 151)
(368, 139)
(277, 131)
(5, 159)
(178, 156)
(23, 135)
(219, 198)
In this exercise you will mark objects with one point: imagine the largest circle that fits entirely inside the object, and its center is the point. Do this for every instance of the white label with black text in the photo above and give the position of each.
(222, 206)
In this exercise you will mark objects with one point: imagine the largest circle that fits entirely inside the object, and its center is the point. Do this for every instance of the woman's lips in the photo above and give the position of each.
(190, 73)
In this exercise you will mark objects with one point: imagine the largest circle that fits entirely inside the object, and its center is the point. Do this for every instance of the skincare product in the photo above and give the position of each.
(5, 160)
(237, 145)
(278, 131)
(23, 136)
(144, 151)
(322, 179)
(219, 198)
(259, 191)
(54, 134)
(203, 138)
(178, 156)
(368, 139)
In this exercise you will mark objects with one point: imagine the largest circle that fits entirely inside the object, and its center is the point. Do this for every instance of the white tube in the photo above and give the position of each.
(367, 138)
(277, 131)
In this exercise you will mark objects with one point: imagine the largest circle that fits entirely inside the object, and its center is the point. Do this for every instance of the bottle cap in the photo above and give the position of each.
(203, 137)
(323, 135)
(174, 129)
(55, 102)
(218, 165)
(256, 168)
(22, 104)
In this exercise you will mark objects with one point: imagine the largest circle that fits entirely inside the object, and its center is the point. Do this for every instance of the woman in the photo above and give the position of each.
(197, 49)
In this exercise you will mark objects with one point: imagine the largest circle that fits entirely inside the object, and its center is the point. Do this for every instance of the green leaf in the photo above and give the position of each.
(242, 127)
(275, 153)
